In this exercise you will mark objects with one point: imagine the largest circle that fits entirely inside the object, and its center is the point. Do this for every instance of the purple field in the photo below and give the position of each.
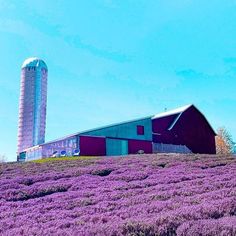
(136, 195)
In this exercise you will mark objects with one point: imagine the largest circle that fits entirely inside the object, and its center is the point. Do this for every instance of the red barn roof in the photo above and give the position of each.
(176, 114)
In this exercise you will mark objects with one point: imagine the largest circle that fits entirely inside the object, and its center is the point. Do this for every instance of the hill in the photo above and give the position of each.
(136, 195)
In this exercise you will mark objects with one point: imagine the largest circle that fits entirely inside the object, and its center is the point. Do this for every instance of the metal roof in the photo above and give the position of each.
(94, 129)
(179, 111)
(34, 61)
(172, 112)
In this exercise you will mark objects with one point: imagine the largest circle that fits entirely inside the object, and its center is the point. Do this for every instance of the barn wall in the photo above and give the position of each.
(34, 153)
(170, 148)
(67, 144)
(136, 145)
(159, 125)
(116, 147)
(92, 146)
(197, 134)
(191, 130)
(125, 130)
(162, 134)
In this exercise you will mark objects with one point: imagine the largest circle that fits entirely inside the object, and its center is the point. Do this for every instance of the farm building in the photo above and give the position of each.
(183, 130)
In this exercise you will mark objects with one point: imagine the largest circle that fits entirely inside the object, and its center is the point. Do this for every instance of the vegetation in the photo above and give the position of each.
(164, 195)
(224, 142)
(64, 159)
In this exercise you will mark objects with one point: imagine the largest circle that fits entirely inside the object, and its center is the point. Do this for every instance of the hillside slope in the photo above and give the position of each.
(135, 195)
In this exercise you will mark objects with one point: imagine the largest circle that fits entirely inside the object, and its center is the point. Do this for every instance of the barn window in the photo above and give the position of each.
(140, 130)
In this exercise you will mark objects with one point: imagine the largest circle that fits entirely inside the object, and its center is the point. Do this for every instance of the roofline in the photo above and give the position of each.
(33, 147)
(180, 111)
(178, 117)
(95, 129)
(205, 119)
(130, 121)
(29, 60)
(116, 124)
(58, 139)
(175, 111)
(175, 121)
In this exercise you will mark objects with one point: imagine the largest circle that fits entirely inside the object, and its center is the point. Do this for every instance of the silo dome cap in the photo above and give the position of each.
(34, 61)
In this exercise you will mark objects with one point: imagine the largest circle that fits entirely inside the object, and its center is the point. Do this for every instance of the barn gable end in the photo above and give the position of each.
(189, 128)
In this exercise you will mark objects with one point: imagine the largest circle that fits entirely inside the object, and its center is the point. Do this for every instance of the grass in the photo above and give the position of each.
(64, 159)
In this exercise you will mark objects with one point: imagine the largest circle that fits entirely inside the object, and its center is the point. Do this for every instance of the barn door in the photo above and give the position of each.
(116, 147)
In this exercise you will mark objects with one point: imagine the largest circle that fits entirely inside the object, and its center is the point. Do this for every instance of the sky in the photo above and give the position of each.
(111, 61)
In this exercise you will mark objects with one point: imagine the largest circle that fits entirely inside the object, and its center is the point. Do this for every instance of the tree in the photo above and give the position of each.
(224, 142)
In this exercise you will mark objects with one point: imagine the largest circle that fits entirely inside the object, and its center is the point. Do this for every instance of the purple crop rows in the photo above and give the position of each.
(138, 195)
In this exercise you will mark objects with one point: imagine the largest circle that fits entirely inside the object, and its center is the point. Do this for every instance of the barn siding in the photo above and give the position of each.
(67, 144)
(191, 130)
(126, 130)
(197, 134)
(170, 148)
(160, 125)
(116, 147)
(92, 146)
(136, 145)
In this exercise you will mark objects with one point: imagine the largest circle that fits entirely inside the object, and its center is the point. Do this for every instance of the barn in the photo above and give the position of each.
(182, 130)
(186, 127)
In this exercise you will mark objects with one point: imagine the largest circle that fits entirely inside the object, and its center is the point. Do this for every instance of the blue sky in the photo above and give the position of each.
(111, 61)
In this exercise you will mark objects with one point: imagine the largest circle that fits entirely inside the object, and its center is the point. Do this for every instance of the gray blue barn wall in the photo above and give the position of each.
(127, 130)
